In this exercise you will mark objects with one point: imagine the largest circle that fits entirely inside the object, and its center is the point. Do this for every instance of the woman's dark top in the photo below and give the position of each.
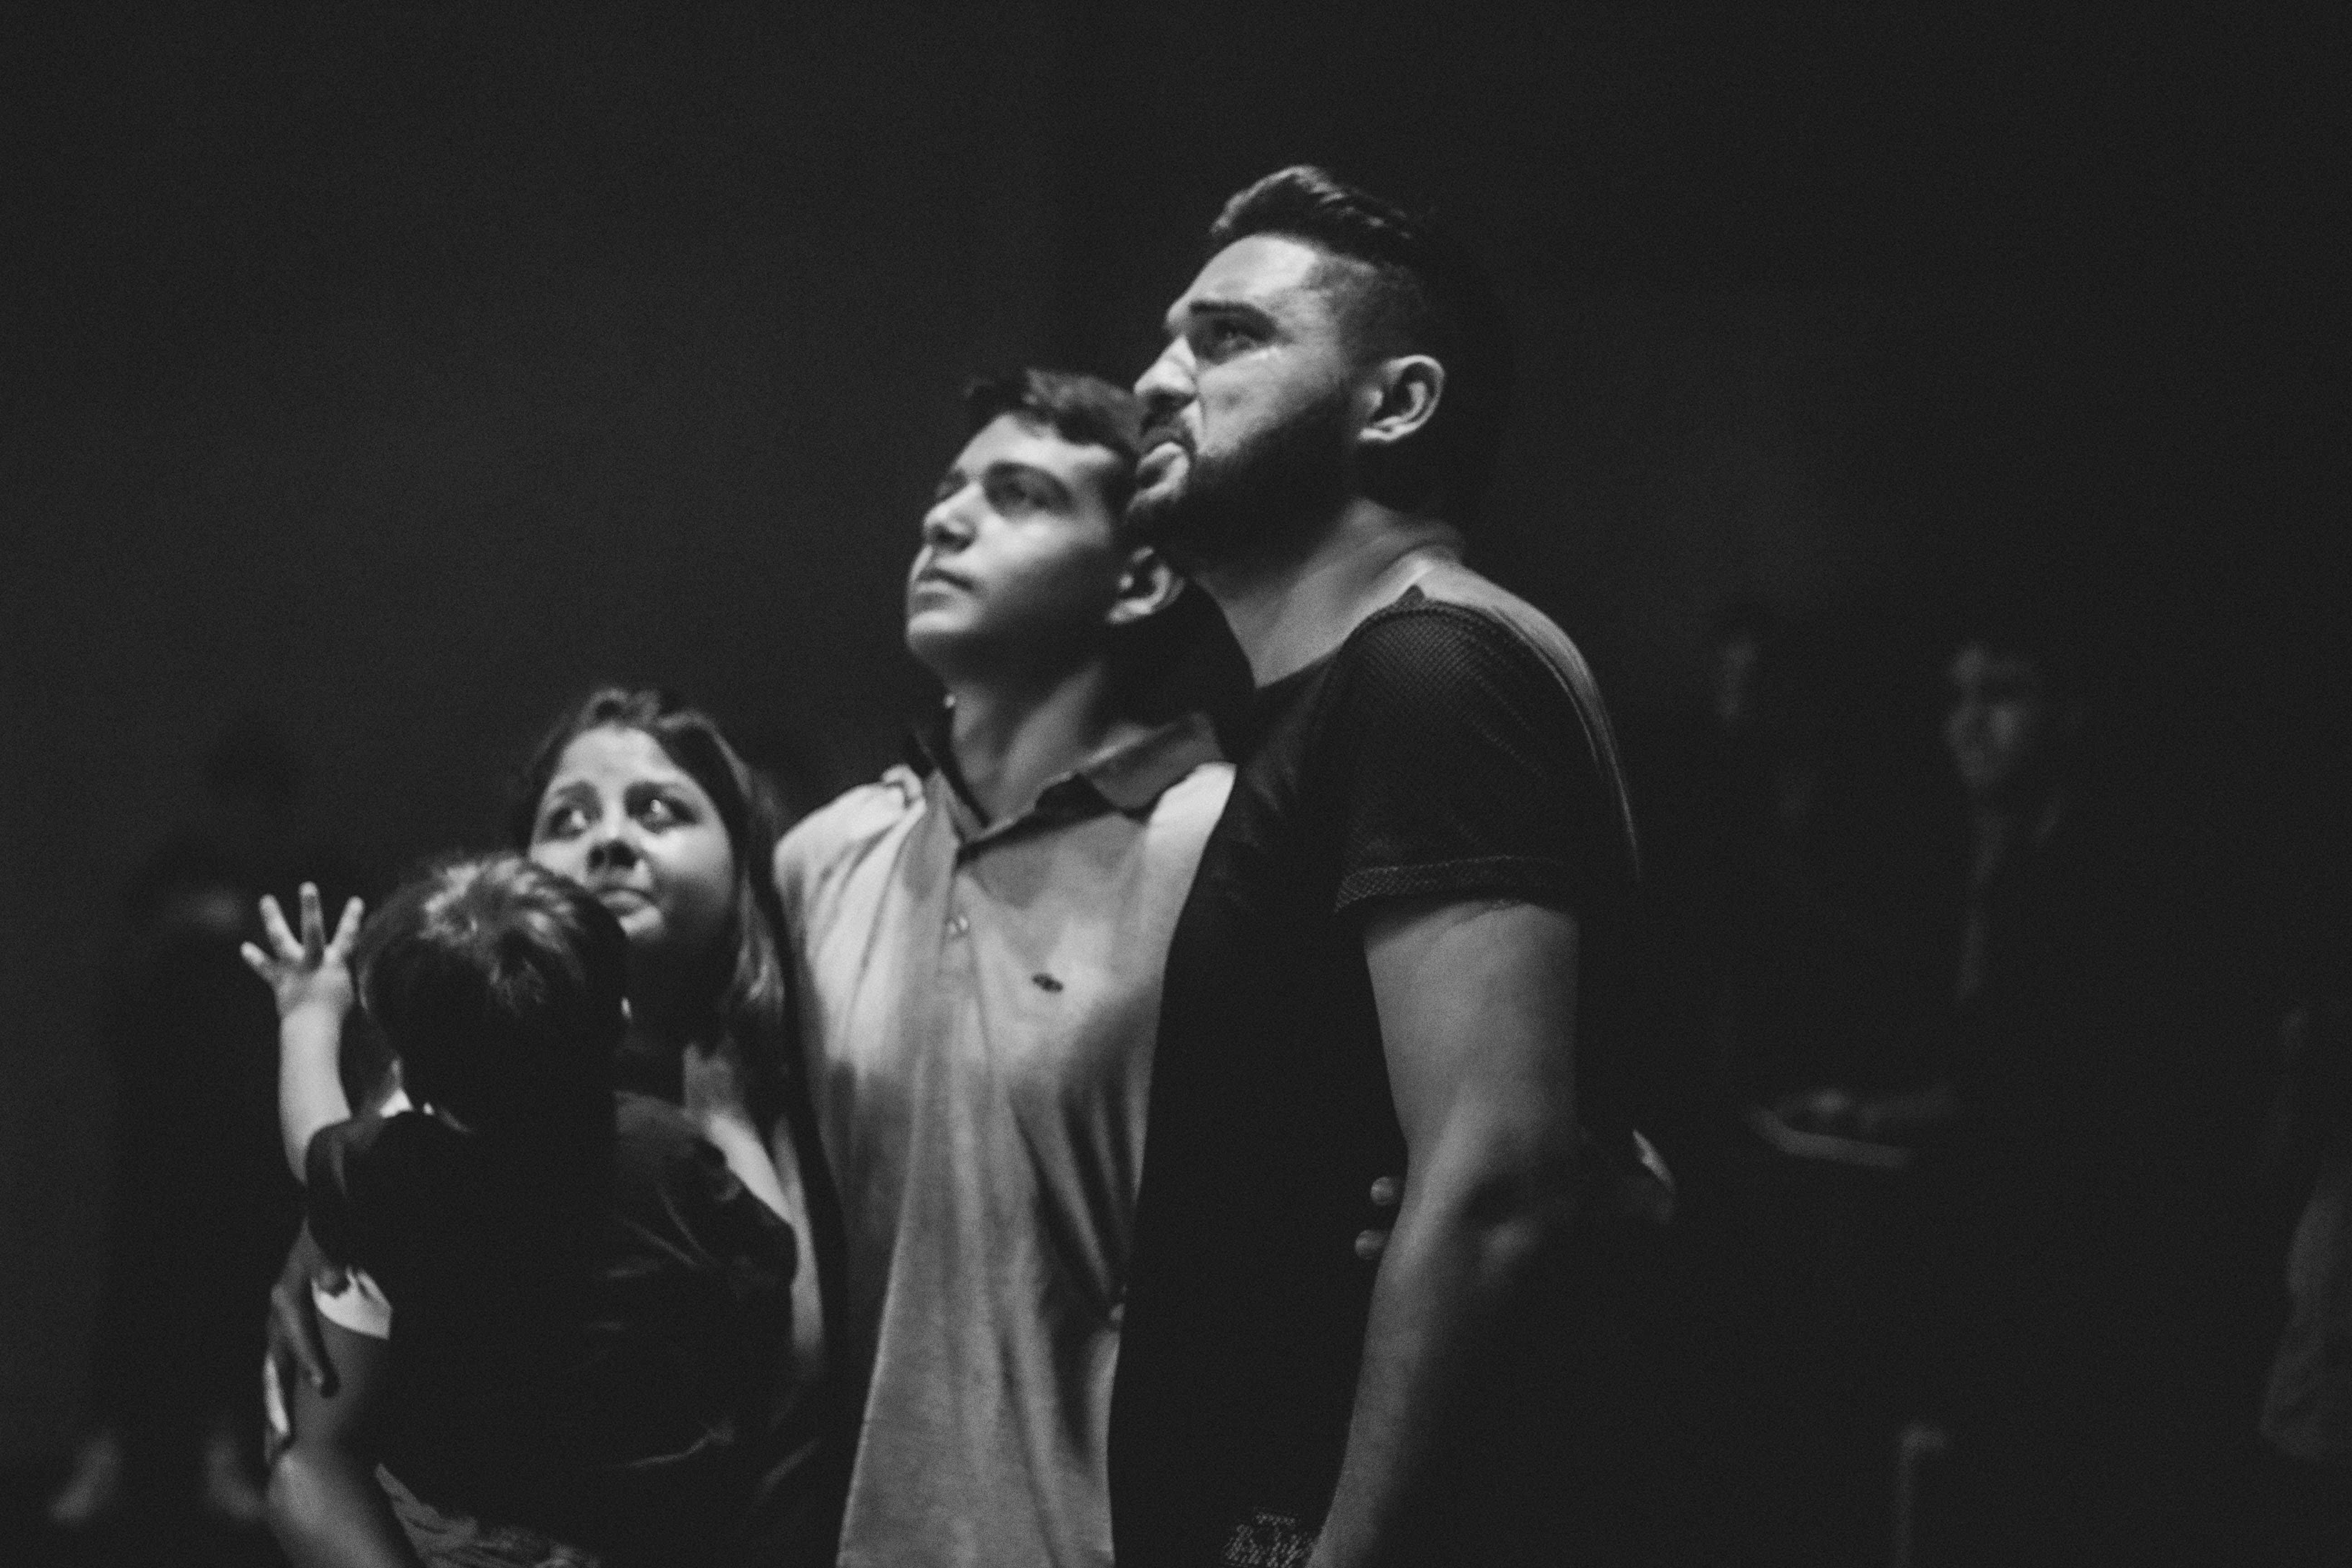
(597, 1349)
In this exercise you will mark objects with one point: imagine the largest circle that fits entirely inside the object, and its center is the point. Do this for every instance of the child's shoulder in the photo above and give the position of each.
(657, 1145)
(370, 1178)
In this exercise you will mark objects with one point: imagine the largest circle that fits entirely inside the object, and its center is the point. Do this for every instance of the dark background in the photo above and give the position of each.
(396, 371)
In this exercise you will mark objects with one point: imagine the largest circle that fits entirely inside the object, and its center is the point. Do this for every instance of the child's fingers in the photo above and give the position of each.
(347, 931)
(254, 960)
(273, 924)
(314, 925)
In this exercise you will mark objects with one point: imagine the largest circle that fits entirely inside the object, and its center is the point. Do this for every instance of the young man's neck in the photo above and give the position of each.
(1287, 613)
(1011, 738)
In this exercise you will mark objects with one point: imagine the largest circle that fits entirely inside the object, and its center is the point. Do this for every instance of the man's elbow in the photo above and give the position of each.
(1519, 1197)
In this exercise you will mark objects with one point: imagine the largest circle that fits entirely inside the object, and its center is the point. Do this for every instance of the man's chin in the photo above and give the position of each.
(1172, 520)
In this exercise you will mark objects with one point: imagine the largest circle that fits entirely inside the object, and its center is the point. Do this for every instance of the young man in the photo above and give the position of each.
(979, 940)
(1383, 958)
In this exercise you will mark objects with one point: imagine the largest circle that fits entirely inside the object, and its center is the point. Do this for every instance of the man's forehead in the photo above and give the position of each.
(1272, 272)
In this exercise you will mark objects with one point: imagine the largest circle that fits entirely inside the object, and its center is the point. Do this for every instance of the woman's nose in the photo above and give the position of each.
(611, 848)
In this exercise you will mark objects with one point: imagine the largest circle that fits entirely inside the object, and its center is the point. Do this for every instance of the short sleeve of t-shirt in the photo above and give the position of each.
(1464, 766)
(335, 1170)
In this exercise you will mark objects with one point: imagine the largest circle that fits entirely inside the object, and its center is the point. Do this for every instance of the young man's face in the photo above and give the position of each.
(1022, 557)
(1247, 410)
(1999, 730)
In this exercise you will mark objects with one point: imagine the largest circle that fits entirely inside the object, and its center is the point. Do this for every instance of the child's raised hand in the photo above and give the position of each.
(314, 971)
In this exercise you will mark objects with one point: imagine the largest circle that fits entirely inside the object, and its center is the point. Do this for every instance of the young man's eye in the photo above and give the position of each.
(1012, 496)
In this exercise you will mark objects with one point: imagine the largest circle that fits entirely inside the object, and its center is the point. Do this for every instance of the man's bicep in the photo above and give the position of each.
(1476, 1000)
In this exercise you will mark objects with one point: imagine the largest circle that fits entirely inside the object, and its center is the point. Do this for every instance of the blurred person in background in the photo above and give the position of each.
(2055, 1111)
(2305, 1503)
(202, 1205)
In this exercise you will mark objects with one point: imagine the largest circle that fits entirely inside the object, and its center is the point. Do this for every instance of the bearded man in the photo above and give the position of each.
(1387, 958)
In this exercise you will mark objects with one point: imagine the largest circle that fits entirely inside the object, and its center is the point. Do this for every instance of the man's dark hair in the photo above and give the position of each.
(499, 984)
(1083, 409)
(1426, 293)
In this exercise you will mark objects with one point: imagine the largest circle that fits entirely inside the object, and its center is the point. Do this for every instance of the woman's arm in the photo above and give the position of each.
(325, 1506)
(311, 979)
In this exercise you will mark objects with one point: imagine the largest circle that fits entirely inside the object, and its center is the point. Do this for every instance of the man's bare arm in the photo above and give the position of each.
(1477, 1012)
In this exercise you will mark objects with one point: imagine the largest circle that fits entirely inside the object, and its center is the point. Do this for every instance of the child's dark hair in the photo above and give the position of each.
(501, 986)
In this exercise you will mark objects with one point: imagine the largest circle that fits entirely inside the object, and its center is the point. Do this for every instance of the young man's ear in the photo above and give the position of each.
(1146, 588)
(1407, 390)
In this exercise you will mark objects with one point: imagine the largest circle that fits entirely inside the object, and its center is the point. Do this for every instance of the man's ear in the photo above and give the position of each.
(1146, 587)
(1408, 388)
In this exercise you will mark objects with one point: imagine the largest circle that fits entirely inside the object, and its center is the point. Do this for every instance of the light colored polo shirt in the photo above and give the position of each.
(978, 1006)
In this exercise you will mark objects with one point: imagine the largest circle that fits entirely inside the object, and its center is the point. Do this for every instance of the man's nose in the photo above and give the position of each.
(1167, 385)
(945, 526)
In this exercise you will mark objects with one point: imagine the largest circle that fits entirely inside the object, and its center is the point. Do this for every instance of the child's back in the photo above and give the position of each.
(578, 1319)
(616, 1379)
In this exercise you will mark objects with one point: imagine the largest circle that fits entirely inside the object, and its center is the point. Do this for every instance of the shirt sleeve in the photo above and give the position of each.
(334, 1168)
(1464, 768)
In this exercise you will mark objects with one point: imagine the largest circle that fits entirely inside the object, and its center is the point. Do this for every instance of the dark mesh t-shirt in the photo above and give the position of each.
(1442, 751)
(619, 1381)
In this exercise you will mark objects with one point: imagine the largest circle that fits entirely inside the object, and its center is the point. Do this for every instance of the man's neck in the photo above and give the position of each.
(1287, 615)
(1010, 739)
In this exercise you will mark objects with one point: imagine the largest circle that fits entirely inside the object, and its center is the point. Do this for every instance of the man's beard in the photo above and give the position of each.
(1260, 501)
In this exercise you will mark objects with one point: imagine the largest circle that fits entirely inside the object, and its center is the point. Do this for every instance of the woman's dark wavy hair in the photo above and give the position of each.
(749, 990)
(500, 985)
(1426, 293)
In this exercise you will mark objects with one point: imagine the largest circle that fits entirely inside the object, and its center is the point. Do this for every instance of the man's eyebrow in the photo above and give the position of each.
(1212, 305)
(1242, 307)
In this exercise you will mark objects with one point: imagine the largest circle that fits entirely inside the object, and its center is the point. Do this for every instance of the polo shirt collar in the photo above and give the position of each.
(1128, 776)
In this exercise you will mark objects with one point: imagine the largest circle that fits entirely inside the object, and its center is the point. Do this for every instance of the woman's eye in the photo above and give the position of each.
(561, 823)
(659, 812)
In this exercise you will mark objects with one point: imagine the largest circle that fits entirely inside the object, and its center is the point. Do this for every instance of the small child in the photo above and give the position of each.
(562, 1307)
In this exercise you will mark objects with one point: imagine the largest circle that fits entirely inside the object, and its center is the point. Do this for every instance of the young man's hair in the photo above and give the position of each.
(501, 986)
(1082, 409)
(1424, 293)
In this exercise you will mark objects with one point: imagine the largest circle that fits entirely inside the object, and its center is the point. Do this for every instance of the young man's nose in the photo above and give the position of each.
(945, 526)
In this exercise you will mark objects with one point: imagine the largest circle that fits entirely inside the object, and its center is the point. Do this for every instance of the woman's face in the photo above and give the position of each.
(622, 819)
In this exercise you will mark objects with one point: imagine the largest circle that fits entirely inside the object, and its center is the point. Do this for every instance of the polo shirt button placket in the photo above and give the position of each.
(958, 924)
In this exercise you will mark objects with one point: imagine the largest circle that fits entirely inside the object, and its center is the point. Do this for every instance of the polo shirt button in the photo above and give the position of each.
(959, 925)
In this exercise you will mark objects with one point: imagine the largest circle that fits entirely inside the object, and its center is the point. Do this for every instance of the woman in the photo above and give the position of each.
(641, 799)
